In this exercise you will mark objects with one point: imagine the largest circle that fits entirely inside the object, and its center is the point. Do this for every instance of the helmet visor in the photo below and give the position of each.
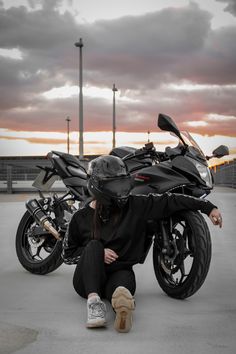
(117, 187)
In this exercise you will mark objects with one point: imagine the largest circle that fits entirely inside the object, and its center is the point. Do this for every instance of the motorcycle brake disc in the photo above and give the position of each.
(35, 243)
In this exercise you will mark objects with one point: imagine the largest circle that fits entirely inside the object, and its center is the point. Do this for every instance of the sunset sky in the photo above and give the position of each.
(175, 57)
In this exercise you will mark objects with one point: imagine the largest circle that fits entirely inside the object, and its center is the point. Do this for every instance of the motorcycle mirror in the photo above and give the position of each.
(166, 123)
(221, 151)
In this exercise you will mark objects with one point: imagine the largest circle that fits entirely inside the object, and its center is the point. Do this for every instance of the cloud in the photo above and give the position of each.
(47, 5)
(37, 140)
(141, 54)
(231, 6)
(145, 50)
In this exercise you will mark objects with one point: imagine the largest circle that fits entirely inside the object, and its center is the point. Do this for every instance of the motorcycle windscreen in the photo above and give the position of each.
(119, 187)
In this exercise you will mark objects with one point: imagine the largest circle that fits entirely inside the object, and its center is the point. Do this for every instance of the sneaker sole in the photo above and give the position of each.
(96, 324)
(123, 304)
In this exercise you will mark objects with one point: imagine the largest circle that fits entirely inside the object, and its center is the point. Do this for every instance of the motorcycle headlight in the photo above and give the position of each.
(204, 172)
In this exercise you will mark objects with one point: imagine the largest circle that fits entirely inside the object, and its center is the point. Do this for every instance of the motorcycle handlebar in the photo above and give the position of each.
(137, 153)
(148, 151)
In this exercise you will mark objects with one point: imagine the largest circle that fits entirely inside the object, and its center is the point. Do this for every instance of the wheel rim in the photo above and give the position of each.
(36, 248)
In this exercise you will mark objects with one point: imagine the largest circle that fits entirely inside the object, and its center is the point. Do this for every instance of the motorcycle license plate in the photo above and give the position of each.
(42, 184)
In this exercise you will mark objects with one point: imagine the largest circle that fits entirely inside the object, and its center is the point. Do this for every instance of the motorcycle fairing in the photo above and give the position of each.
(186, 167)
(68, 166)
(135, 164)
(158, 178)
(61, 167)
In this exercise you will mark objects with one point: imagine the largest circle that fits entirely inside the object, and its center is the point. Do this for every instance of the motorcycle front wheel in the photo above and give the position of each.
(37, 250)
(181, 273)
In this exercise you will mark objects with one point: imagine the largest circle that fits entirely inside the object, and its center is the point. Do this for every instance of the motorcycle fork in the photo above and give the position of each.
(166, 228)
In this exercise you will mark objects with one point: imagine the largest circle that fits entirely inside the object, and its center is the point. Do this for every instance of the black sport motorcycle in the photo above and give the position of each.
(181, 243)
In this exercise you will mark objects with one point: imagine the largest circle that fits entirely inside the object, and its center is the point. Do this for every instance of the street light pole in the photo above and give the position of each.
(114, 89)
(68, 134)
(81, 120)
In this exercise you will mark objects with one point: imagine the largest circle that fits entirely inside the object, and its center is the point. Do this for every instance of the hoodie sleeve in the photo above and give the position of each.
(158, 206)
(72, 245)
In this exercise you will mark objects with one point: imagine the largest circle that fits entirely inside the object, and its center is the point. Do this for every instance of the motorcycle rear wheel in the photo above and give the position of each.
(182, 274)
(38, 255)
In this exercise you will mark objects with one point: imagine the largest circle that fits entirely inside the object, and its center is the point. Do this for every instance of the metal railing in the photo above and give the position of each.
(18, 174)
(17, 179)
(225, 174)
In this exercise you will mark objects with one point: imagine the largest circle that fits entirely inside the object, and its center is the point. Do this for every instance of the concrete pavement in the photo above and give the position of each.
(43, 314)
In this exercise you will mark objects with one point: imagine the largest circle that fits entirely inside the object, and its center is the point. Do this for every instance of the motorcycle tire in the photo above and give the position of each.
(182, 275)
(51, 248)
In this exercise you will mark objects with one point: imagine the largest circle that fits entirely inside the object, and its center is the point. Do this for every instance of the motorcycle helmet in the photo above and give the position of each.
(109, 180)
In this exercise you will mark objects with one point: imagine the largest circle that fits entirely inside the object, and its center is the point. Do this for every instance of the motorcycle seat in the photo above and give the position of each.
(69, 159)
(76, 172)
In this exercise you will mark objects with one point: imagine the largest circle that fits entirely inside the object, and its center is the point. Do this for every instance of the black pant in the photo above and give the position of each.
(93, 276)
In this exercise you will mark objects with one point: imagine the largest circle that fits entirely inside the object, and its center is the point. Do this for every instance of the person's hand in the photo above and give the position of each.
(216, 217)
(109, 256)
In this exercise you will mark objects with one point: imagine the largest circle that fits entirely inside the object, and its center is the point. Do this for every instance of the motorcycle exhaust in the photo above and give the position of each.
(41, 217)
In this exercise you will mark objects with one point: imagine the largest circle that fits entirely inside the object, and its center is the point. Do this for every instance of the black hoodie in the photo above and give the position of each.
(127, 239)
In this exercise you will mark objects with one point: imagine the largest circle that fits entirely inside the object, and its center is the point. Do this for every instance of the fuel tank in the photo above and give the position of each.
(133, 164)
(158, 178)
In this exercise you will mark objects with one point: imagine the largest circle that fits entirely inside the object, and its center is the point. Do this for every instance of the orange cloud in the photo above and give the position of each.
(37, 140)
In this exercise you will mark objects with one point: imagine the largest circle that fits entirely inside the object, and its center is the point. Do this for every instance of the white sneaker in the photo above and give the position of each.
(96, 312)
(123, 304)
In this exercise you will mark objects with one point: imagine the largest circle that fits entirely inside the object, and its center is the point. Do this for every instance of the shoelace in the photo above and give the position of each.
(96, 309)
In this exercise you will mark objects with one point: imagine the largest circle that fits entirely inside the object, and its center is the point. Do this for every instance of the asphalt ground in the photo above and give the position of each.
(43, 314)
